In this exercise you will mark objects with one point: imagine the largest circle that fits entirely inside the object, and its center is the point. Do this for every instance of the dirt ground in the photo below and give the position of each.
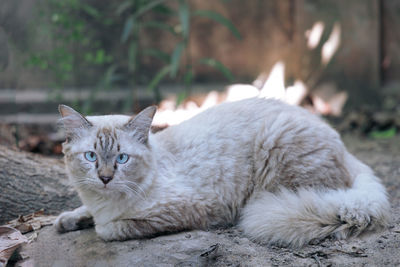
(228, 247)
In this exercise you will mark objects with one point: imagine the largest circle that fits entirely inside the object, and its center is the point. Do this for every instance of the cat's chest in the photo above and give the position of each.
(103, 209)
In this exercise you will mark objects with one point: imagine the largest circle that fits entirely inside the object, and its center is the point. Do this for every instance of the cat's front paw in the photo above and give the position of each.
(66, 222)
(71, 221)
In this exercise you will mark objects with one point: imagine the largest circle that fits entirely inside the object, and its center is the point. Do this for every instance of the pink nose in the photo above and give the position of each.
(105, 179)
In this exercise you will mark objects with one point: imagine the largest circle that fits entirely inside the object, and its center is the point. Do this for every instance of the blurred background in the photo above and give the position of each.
(339, 59)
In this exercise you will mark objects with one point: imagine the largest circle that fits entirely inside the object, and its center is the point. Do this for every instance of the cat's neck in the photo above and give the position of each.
(163, 162)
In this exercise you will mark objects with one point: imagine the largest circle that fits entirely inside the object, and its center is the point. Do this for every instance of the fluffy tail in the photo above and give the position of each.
(293, 219)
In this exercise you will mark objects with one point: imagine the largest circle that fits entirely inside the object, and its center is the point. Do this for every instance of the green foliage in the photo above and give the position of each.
(74, 44)
(108, 37)
(384, 134)
(177, 63)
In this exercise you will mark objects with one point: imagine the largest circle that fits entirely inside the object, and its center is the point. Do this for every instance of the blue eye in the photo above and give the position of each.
(122, 158)
(90, 156)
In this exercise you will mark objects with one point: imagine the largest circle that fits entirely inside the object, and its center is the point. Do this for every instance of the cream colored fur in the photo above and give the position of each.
(278, 171)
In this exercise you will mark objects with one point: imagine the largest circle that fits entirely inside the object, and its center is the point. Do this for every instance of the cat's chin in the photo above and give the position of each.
(110, 191)
(105, 190)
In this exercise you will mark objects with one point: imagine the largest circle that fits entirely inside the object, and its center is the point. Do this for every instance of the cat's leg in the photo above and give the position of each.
(125, 229)
(79, 218)
(167, 218)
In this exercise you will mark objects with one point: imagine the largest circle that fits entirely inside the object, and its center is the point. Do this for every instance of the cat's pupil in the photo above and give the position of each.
(92, 154)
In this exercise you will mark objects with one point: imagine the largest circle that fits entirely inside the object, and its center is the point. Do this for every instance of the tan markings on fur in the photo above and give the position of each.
(346, 177)
(101, 141)
(112, 143)
(167, 218)
(115, 134)
(106, 138)
(294, 161)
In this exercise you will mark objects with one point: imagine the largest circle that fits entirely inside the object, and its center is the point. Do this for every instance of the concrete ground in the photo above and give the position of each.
(228, 247)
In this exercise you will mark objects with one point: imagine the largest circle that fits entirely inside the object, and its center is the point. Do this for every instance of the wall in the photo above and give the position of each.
(366, 55)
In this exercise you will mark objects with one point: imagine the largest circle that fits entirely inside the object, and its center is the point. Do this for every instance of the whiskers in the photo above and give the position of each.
(128, 188)
(86, 182)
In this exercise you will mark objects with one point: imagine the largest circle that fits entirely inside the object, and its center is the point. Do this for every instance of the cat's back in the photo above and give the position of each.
(235, 129)
(230, 141)
(238, 120)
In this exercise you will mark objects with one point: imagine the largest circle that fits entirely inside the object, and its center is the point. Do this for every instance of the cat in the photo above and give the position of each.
(277, 171)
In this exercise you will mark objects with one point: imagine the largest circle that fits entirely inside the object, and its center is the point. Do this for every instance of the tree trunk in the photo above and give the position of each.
(31, 182)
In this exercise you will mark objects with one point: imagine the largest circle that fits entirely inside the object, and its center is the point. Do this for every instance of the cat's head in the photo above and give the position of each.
(109, 155)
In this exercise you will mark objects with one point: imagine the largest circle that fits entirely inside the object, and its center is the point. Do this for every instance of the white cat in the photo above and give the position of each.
(278, 171)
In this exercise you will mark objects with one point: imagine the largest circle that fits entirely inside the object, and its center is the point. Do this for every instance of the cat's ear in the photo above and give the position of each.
(73, 121)
(139, 125)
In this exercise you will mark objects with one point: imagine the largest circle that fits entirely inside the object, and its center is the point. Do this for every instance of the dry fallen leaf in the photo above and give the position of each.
(10, 240)
(31, 222)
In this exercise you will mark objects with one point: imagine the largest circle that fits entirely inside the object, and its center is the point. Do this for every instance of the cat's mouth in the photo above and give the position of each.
(100, 187)
(106, 187)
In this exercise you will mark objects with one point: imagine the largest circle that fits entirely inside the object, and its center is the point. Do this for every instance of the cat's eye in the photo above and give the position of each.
(122, 158)
(90, 156)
